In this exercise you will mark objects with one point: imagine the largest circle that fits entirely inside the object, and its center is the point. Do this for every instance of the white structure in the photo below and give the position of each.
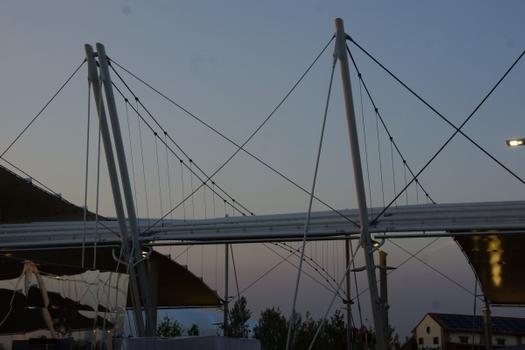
(408, 220)
(453, 331)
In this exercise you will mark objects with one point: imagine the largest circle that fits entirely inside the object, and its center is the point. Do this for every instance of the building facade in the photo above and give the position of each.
(452, 331)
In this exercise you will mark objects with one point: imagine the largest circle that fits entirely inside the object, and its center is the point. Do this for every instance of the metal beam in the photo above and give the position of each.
(435, 220)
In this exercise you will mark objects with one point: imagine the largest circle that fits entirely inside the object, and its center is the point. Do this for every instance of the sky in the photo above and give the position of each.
(230, 63)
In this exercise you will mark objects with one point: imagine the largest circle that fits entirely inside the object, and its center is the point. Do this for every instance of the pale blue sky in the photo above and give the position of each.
(231, 62)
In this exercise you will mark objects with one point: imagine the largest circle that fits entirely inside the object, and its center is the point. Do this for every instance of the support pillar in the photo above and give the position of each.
(383, 287)
(153, 270)
(487, 322)
(348, 297)
(366, 242)
(115, 186)
(136, 251)
(226, 283)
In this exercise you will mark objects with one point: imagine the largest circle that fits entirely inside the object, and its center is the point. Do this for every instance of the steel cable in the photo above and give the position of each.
(241, 147)
(203, 182)
(456, 128)
(41, 110)
(365, 144)
(86, 176)
(171, 139)
(310, 203)
(383, 123)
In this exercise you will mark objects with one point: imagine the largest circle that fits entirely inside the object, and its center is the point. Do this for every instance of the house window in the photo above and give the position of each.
(500, 341)
(428, 330)
(436, 340)
(463, 339)
(420, 341)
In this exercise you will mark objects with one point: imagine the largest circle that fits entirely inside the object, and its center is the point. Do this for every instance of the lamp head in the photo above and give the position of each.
(515, 142)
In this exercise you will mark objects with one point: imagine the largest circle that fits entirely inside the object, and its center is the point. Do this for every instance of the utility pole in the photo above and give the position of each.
(383, 286)
(348, 297)
(115, 186)
(488, 325)
(226, 282)
(366, 242)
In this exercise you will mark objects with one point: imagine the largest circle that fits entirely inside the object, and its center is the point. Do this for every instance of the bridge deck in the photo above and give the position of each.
(457, 217)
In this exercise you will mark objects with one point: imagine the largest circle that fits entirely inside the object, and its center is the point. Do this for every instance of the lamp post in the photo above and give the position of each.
(512, 143)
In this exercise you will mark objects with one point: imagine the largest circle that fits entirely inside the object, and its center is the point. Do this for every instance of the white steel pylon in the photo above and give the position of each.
(130, 243)
(366, 241)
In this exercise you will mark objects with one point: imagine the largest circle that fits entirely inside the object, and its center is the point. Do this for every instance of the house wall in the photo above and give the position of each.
(480, 338)
(510, 340)
(455, 338)
(427, 330)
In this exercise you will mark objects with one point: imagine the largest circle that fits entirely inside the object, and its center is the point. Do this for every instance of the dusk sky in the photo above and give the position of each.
(230, 63)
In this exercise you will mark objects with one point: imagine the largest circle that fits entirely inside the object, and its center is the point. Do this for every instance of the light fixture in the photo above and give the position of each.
(377, 244)
(146, 252)
(515, 142)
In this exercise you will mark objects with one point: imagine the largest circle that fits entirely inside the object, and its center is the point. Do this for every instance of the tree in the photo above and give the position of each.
(304, 333)
(238, 316)
(335, 332)
(194, 330)
(169, 329)
(366, 338)
(332, 335)
(272, 329)
(393, 338)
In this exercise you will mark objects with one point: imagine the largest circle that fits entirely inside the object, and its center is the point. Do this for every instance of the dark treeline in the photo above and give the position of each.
(272, 329)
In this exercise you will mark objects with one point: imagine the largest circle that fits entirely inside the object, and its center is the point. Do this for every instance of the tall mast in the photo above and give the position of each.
(136, 250)
(366, 241)
(115, 186)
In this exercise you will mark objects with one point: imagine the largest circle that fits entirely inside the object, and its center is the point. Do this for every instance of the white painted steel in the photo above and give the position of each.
(366, 241)
(139, 264)
(114, 180)
(430, 218)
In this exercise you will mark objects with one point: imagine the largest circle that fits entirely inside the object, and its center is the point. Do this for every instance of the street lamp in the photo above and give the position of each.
(515, 142)
(377, 244)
